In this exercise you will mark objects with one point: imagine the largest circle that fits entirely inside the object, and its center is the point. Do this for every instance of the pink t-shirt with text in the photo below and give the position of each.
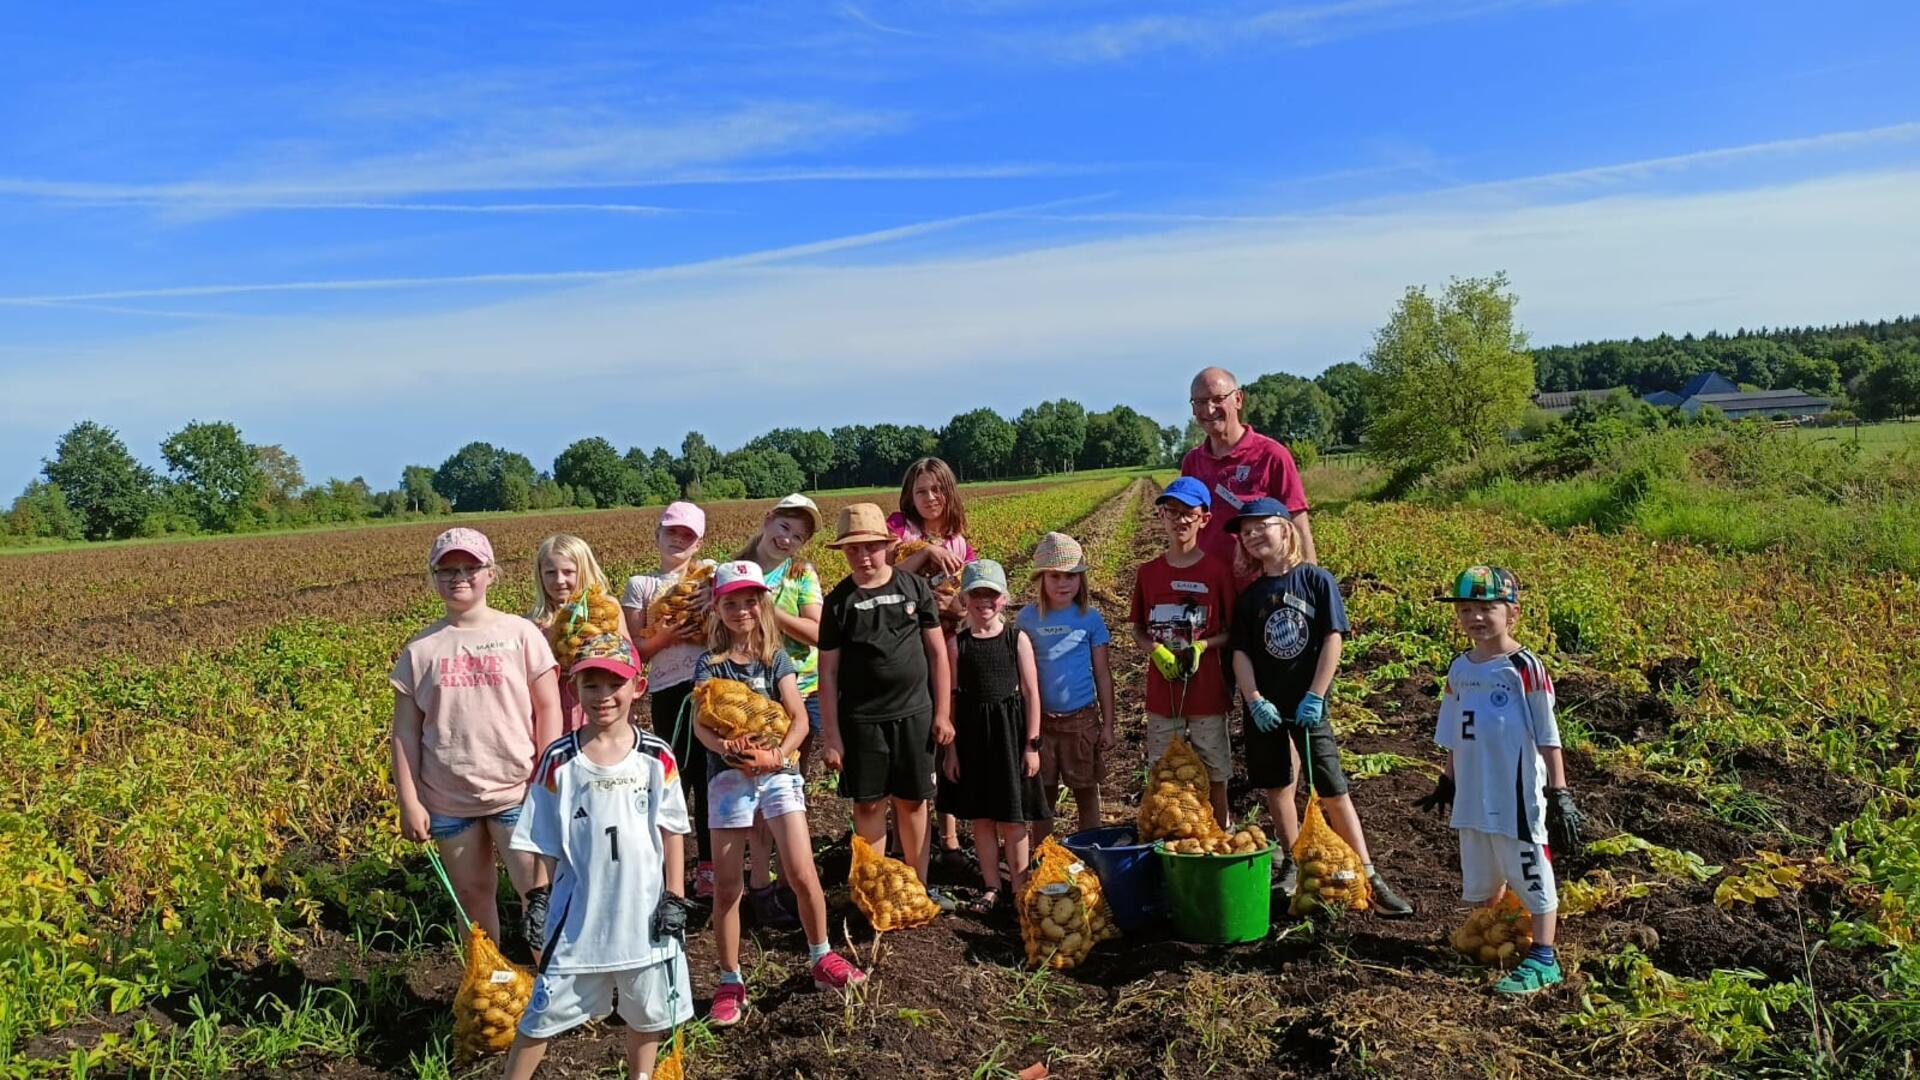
(474, 687)
(1255, 466)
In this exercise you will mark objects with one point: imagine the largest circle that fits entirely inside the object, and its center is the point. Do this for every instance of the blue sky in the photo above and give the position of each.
(373, 232)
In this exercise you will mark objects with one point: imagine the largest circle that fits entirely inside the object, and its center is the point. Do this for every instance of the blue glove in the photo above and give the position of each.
(1266, 715)
(1312, 710)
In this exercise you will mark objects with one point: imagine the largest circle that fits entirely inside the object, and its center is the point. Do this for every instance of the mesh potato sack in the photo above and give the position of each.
(493, 993)
(685, 601)
(1056, 865)
(591, 614)
(1175, 806)
(887, 892)
(733, 710)
(670, 1065)
(1496, 934)
(1054, 926)
(1331, 878)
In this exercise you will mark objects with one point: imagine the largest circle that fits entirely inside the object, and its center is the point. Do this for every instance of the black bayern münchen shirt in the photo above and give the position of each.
(883, 658)
(1282, 623)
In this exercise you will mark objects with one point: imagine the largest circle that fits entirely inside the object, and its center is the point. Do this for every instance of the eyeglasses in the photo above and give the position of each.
(459, 573)
(1214, 402)
(1180, 517)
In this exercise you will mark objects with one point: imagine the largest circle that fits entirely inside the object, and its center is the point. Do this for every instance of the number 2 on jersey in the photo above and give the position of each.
(1466, 725)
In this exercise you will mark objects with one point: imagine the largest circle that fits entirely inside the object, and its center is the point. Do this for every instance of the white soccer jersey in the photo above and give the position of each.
(1495, 716)
(603, 826)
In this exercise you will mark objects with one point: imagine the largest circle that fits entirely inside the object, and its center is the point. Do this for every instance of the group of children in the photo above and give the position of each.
(977, 718)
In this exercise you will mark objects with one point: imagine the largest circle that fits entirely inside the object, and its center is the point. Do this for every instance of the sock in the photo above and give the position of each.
(815, 952)
(1544, 954)
(1366, 868)
(731, 977)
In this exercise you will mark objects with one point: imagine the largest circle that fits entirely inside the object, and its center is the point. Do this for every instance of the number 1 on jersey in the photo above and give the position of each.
(613, 838)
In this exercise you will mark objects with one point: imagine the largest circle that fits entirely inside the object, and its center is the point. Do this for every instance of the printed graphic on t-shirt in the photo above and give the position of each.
(1286, 635)
(883, 600)
(1179, 624)
(1069, 637)
(484, 665)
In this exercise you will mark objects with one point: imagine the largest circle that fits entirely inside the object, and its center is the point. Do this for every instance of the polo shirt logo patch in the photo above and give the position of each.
(1241, 472)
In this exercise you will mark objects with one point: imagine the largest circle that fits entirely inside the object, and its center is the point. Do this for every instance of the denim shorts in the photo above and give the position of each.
(813, 713)
(443, 827)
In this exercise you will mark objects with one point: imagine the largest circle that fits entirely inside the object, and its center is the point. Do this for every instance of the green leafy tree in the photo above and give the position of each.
(113, 494)
(697, 459)
(214, 473)
(978, 444)
(416, 488)
(1290, 409)
(280, 479)
(1814, 374)
(41, 513)
(1121, 436)
(1452, 373)
(482, 476)
(1050, 434)
(810, 448)
(593, 465)
(653, 480)
(717, 488)
(1892, 387)
(763, 474)
(849, 453)
(1345, 385)
(547, 494)
(1171, 447)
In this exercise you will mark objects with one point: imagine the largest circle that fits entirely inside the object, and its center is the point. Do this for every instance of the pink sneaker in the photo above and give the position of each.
(729, 1005)
(703, 881)
(835, 972)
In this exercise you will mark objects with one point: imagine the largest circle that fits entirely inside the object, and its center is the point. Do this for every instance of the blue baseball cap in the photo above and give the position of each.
(1263, 507)
(1189, 491)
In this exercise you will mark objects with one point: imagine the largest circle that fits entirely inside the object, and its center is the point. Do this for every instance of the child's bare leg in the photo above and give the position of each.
(728, 884)
(760, 856)
(523, 1058)
(1087, 801)
(469, 861)
(986, 848)
(950, 831)
(1546, 928)
(796, 866)
(870, 823)
(910, 817)
(1013, 840)
(1217, 795)
(1038, 831)
(1345, 820)
(524, 868)
(1285, 813)
(643, 1049)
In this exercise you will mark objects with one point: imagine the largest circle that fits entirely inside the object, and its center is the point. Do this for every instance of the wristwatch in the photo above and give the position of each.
(1033, 744)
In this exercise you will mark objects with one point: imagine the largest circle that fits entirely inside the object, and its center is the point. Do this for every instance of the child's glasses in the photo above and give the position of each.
(459, 573)
(1188, 516)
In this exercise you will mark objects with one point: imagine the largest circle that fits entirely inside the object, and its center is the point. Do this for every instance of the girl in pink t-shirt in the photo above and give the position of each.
(931, 510)
(475, 702)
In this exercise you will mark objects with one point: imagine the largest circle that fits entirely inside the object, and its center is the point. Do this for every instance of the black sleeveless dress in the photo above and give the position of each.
(990, 734)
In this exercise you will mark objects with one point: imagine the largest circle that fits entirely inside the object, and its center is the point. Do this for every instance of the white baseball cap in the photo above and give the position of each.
(739, 574)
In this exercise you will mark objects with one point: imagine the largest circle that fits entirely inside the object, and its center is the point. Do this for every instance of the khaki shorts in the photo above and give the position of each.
(1070, 749)
(1206, 734)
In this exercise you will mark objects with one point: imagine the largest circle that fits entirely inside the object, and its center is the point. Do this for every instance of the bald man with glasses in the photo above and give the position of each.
(1238, 464)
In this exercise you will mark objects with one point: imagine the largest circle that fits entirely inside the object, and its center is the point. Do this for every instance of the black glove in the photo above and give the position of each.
(1563, 821)
(533, 916)
(672, 917)
(1441, 798)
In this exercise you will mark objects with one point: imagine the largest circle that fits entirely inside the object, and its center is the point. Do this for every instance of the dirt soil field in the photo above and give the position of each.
(1364, 996)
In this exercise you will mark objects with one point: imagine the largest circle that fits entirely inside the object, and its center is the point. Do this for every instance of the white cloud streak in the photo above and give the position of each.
(1296, 26)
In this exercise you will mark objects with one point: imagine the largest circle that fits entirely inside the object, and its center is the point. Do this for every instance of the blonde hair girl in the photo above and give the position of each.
(565, 568)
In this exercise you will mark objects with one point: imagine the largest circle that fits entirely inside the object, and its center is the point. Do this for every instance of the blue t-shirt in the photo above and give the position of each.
(1063, 644)
(1282, 624)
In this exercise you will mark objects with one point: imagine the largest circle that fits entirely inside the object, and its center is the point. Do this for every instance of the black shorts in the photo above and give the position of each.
(1269, 765)
(888, 759)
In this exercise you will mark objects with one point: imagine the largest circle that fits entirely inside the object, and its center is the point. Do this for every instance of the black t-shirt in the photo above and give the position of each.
(1282, 624)
(883, 658)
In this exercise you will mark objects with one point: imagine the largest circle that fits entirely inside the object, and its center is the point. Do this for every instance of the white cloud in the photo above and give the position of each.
(1296, 26)
(1102, 319)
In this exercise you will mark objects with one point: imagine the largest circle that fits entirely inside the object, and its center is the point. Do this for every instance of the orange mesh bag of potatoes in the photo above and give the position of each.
(590, 615)
(686, 602)
(1055, 927)
(1496, 934)
(493, 993)
(733, 710)
(1175, 806)
(887, 892)
(671, 1065)
(1057, 866)
(1331, 878)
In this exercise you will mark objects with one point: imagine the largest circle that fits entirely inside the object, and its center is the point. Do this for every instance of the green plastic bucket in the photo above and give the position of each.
(1219, 899)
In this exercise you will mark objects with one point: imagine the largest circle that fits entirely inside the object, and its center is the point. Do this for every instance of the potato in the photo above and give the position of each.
(1506, 952)
(1071, 943)
(1313, 868)
(1489, 954)
(1052, 930)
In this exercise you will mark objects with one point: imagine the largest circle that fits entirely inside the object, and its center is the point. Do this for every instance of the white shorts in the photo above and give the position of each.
(652, 998)
(1206, 734)
(734, 798)
(1489, 860)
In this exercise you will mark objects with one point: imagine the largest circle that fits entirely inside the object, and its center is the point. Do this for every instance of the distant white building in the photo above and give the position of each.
(1707, 388)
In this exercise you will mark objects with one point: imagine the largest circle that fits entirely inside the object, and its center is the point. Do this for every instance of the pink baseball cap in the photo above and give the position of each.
(471, 541)
(608, 652)
(686, 515)
(734, 576)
